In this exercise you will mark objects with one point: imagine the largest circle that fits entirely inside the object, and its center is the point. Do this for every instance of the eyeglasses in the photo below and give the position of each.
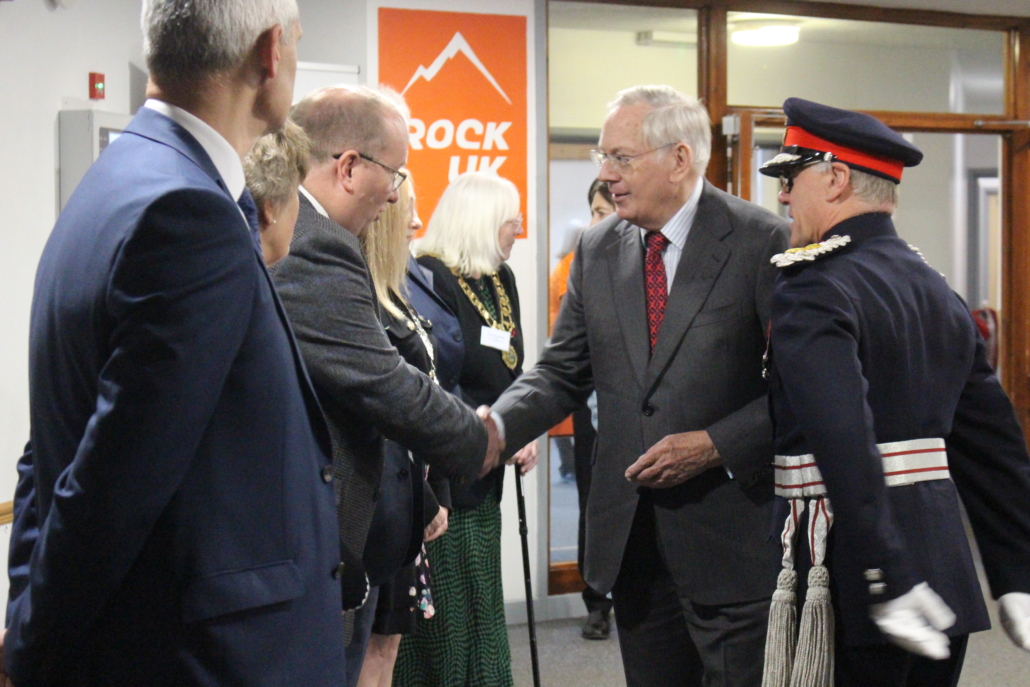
(620, 162)
(517, 222)
(787, 178)
(398, 176)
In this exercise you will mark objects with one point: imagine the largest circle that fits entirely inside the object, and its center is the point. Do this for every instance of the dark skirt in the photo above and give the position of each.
(466, 642)
(404, 599)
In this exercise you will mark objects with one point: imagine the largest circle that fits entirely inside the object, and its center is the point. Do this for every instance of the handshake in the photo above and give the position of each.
(525, 458)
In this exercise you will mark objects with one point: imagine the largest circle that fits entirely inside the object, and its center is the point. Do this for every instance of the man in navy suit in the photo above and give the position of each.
(175, 520)
(886, 414)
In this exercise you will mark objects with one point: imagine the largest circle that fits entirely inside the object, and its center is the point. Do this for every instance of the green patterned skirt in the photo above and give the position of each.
(466, 643)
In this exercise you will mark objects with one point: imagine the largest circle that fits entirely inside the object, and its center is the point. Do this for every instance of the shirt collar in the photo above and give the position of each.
(222, 154)
(678, 226)
(314, 203)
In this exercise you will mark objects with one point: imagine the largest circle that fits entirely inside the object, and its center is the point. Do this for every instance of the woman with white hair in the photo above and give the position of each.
(469, 238)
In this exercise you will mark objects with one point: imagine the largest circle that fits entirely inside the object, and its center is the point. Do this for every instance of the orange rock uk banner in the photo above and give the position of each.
(464, 78)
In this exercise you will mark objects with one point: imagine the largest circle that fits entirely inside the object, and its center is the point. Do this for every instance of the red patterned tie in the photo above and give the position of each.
(655, 283)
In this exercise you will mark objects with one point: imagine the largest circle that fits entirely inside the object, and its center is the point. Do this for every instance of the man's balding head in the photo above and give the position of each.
(359, 139)
(339, 118)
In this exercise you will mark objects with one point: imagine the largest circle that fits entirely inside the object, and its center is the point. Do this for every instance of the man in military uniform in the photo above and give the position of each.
(886, 413)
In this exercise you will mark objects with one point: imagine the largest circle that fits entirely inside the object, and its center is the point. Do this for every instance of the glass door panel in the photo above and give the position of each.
(864, 65)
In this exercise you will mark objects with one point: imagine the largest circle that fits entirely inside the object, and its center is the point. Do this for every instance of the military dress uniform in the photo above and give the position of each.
(879, 379)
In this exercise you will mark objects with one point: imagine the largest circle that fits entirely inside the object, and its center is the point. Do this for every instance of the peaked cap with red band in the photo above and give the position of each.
(818, 133)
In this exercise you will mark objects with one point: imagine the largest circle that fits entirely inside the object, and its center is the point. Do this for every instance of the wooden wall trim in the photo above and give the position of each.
(570, 151)
(1015, 339)
(711, 85)
(832, 10)
(835, 10)
(935, 122)
(564, 578)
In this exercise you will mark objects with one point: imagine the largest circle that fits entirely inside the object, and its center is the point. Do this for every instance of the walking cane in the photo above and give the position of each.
(524, 532)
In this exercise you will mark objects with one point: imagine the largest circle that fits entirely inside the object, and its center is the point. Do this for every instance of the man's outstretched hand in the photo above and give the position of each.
(674, 460)
(495, 444)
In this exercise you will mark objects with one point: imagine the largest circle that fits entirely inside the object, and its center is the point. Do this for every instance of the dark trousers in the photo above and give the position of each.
(669, 641)
(885, 665)
(355, 649)
(583, 445)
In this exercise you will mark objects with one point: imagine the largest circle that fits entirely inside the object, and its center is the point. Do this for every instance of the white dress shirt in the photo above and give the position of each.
(318, 206)
(223, 155)
(676, 230)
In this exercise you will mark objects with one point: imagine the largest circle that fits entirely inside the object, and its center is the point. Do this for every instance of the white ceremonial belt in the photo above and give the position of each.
(904, 462)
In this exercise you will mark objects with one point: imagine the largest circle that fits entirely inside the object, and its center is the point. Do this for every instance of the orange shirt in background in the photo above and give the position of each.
(556, 289)
(557, 285)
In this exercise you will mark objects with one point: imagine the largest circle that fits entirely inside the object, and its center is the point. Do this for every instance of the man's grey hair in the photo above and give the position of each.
(868, 188)
(189, 39)
(342, 118)
(674, 117)
(873, 189)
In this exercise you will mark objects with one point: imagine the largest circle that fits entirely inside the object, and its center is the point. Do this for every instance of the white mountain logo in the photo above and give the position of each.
(457, 44)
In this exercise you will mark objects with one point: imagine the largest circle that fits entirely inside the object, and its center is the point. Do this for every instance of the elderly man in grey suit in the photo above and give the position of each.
(665, 317)
(359, 142)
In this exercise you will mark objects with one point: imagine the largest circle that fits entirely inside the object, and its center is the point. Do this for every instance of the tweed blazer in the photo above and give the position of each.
(705, 374)
(367, 390)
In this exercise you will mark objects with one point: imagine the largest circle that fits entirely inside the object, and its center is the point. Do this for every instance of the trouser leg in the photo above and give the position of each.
(355, 650)
(583, 431)
(886, 665)
(730, 640)
(657, 650)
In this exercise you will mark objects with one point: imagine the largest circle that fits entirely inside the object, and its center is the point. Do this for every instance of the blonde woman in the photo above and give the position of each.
(406, 503)
(469, 238)
(275, 167)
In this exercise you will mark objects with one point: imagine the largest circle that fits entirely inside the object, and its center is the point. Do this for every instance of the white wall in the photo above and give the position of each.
(47, 54)
(587, 69)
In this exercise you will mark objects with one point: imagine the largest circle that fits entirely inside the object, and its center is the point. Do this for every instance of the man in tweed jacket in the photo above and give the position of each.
(359, 140)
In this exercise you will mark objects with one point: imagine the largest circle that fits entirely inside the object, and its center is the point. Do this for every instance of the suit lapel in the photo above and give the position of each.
(626, 270)
(704, 256)
(155, 126)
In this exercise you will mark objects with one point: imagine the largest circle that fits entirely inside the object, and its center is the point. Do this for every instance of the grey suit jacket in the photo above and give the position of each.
(705, 374)
(366, 388)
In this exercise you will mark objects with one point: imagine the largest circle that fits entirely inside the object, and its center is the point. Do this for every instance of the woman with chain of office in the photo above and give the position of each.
(469, 238)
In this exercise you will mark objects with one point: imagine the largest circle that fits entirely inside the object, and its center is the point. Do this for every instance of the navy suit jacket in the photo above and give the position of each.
(450, 344)
(176, 472)
(869, 345)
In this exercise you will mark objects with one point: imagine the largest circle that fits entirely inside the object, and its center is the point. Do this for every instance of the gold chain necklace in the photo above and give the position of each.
(415, 323)
(510, 357)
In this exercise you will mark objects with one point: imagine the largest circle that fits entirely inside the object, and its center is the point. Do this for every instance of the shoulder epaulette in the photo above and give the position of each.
(809, 252)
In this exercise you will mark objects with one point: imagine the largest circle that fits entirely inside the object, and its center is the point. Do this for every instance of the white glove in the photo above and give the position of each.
(1014, 609)
(915, 621)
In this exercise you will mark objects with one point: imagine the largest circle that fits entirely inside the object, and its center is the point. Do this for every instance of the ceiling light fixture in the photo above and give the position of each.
(765, 34)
